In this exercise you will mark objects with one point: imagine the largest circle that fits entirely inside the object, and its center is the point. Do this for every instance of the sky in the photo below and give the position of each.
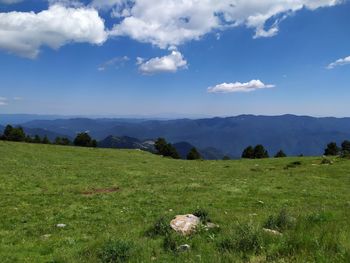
(175, 57)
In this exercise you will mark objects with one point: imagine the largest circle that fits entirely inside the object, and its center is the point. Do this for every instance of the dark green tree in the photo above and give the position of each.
(45, 140)
(332, 149)
(193, 154)
(345, 147)
(166, 149)
(226, 158)
(14, 134)
(84, 140)
(7, 132)
(260, 152)
(248, 153)
(37, 139)
(94, 143)
(58, 140)
(280, 154)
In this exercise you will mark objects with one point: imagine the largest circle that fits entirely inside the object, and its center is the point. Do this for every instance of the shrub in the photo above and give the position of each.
(203, 215)
(246, 239)
(280, 222)
(84, 140)
(160, 228)
(248, 153)
(115, 251)
(293, 165)
(169, 243)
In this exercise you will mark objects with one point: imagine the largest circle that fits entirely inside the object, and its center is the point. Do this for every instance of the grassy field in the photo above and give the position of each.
(109, 201)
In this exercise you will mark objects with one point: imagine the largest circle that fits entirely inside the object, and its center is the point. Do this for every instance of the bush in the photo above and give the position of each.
(246, 239)
(293, 165)
(258, 152)
(280, 222)
(203, 215)
(160, 228)
(115, 251)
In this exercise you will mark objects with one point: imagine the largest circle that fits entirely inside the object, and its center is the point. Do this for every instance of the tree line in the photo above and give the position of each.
(17, 134)
(166, 149)
(334, 150)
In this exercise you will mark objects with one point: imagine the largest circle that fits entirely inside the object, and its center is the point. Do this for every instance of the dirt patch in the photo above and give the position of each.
(95, 191)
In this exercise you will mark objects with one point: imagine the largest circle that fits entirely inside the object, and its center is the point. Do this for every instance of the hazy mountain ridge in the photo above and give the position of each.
(294, 134)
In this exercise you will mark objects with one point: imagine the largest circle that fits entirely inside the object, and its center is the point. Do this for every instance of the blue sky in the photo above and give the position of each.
(122, 64)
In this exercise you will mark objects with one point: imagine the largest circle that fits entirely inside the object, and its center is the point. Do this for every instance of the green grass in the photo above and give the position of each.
(43, 185)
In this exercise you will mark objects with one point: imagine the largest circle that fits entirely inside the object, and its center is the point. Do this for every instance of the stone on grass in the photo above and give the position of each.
(185, 224)
(184, 248)
(210, 225)
(61, 225)
(272, 232)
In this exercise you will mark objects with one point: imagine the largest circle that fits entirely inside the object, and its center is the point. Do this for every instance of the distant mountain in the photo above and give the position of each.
(294, 134)
(125, 142)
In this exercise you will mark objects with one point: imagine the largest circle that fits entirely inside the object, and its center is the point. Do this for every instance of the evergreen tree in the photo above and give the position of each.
(226, 158)
(166, 149)
(193, 154)
(260, 152)
(14, 134)
(345, 147)
(248, 153)
(58, 140)
(332, 149)
(280, 154)
(37, 139)
(84, 140)
(65, 141)
(45, 140)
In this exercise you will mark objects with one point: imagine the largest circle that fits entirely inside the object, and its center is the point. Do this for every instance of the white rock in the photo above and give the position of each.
(273, 232)
(185, 224)
(61, 225)
(184, 247)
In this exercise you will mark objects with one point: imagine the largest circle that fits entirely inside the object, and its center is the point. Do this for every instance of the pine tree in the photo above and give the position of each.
(193, 154)
(332, 149)
(280, 154)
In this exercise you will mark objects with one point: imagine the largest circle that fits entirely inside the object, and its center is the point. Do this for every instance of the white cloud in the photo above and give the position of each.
(172, 22)
(117, 62)
(239, 87)
(23, 33)
(339, 62)
(170, 63)
(3, 101)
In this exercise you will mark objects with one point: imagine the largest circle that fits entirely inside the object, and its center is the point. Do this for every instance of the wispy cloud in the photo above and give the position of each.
(170, 63)
(116, 62)
(239, 87)
(3, 101)
(339, 62)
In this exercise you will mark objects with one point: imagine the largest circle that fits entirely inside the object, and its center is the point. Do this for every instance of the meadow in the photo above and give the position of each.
(115, 206)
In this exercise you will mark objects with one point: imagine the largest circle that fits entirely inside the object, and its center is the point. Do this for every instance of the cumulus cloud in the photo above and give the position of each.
(3, 101)
(170, 63)
(239, 87)
(172, 22)
(116, 62)
(339, 62)
(24, 33)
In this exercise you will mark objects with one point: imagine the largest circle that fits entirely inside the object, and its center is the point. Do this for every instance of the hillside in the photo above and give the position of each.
(106, 196)
(294, 134)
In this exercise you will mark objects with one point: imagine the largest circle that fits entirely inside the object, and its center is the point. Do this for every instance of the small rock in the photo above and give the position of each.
(184, 248)
(273, 232)
(210, 225)
(185, 224)
(170, 210)
(46, 236)
(61, 225)
(261, 202)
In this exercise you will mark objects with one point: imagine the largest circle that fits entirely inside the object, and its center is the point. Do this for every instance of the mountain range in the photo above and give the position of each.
(223, 136)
